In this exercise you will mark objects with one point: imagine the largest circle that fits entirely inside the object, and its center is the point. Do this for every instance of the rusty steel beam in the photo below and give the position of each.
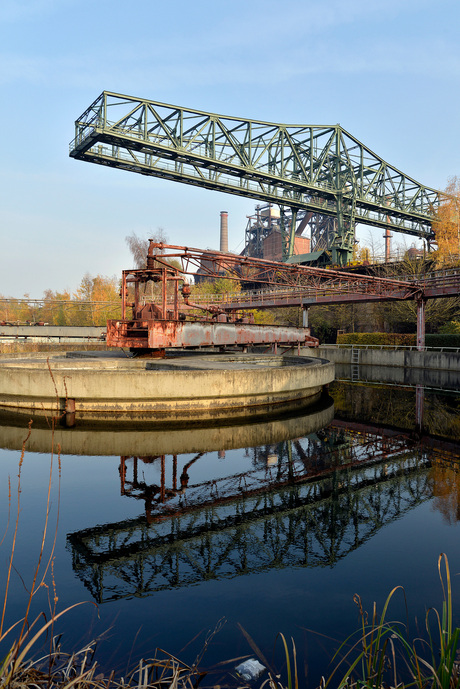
(297, 285)
(168, 318)
(212, 265)
(162, 334)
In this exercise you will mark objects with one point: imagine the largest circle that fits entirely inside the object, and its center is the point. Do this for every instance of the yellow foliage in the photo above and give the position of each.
(447, 224)
(361, 254)
(102, 289)
(263, 317)
(218, 286)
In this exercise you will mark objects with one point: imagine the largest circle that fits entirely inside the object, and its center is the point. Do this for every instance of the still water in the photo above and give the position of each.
(168, 535)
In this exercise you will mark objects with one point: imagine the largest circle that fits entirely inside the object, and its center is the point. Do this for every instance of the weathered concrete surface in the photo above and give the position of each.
(152, 442)
(399, 375)
(389, 357)
(53, 331)
(181, 388)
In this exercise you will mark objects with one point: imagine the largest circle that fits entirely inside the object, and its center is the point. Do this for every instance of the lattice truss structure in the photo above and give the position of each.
(321, 169)
(312, 524)
(278, 283)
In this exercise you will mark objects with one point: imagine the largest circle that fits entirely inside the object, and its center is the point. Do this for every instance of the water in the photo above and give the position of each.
(268, 527)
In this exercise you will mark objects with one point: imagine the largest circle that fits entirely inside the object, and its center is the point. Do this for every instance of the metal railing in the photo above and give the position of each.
(409, 348)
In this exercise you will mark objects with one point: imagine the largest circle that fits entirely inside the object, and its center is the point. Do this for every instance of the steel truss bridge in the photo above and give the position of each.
(320, 170)
(283, 284)
(311, 509)
(280, 284)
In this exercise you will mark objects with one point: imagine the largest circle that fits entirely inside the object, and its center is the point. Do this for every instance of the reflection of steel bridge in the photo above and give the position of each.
(313, 523)
(291, 463)
(319, 169)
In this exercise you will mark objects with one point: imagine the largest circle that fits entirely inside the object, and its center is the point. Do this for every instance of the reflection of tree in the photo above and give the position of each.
(445, 482)
(393, 406)
(390, 406)
(442, 416)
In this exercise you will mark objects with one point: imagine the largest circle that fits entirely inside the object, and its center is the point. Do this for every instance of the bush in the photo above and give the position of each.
(443, 340)
(399, 339)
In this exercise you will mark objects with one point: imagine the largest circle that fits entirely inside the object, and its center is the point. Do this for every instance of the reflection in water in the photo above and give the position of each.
(429, 417)
(279, 499)
(308, 501)
(315, 522)
(275, 525)
(445, 485)
(273, 466)
(423, 410)
(144, 440)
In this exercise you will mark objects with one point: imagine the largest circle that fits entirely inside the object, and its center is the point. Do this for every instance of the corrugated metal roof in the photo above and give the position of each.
(306, 258)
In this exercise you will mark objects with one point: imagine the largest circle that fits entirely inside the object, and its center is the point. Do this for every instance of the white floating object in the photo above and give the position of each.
(250, 669)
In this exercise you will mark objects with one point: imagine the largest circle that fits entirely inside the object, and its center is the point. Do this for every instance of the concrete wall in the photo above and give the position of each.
(405, 358)
(51, 331)
(189, 386)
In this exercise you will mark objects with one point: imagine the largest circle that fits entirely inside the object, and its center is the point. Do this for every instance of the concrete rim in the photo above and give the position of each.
(91, 386)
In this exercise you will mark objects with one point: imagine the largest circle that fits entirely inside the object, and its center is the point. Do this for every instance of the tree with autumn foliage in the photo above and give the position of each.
(96, 300)
(57, 309)
(447, 224)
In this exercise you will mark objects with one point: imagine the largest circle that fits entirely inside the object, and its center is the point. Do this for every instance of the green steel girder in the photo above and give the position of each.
(318, 168)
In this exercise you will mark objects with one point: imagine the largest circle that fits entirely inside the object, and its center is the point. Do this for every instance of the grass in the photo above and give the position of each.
(384, 656)
(381, 655)
(31, 652)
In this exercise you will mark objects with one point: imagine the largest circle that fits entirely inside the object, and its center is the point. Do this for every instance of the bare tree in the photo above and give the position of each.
(139, 247)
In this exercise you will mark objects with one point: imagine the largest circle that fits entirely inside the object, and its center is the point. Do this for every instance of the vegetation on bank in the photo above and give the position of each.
(399, 339)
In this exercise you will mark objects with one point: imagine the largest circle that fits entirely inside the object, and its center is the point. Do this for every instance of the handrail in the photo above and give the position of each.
(410, 348)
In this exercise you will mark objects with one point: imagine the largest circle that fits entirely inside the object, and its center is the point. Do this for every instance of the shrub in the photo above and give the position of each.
(399, 339)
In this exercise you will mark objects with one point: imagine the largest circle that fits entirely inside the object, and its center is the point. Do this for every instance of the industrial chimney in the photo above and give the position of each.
(224, 231)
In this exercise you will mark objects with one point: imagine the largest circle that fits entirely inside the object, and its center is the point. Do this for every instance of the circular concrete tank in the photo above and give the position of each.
(145, 440)
(104, 386)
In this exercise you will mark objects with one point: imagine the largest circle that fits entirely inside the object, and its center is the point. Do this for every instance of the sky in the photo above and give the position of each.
(387, 71)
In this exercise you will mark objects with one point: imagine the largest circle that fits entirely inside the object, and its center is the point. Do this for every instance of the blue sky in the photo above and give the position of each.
(387, 71)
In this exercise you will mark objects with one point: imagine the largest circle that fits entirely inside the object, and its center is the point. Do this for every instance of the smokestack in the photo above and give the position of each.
(224, 231)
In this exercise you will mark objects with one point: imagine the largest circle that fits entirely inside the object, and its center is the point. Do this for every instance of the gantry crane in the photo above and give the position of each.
(319, 169)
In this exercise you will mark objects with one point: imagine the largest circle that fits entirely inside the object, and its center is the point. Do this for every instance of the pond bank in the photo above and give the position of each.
(408, 357)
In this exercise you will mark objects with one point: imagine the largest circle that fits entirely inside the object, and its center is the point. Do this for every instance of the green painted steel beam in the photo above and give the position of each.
(314, 167)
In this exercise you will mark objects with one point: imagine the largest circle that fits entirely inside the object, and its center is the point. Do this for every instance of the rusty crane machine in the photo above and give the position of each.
(158, 313)
(166, 313)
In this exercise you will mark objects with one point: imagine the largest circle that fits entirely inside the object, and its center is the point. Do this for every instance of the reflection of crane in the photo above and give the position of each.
(303, 502)
(275, 468)
(319, 169)
(315, 523)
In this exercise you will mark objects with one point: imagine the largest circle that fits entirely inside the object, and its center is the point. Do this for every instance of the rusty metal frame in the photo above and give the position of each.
(155, 325)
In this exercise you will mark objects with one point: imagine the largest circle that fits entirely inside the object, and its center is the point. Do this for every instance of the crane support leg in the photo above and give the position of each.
(290, 251)
(421, 323)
